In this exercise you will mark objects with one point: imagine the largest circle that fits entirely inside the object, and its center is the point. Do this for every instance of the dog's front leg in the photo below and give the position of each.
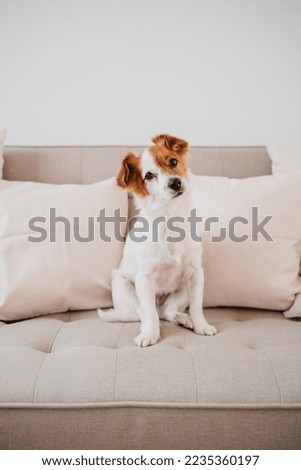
(150, 325)
(196, 289)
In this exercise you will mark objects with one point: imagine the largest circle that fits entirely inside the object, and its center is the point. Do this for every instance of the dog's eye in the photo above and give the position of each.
(149, 176)
(173, 163)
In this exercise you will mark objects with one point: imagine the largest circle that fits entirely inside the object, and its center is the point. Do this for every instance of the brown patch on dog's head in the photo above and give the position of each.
(170, 153)
(130, 177)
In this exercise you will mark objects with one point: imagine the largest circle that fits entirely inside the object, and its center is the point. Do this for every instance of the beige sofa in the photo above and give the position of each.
(71, 381)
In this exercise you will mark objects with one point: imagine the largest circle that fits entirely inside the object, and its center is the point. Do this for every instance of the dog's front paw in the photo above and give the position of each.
(205, 329)
(147, 339)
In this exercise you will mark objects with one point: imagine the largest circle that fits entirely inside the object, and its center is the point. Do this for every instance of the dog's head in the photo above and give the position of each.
(160, 172)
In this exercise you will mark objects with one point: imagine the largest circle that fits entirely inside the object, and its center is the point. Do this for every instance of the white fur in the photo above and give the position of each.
(160, 279)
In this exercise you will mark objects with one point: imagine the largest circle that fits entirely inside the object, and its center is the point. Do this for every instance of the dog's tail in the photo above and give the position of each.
(114, 315)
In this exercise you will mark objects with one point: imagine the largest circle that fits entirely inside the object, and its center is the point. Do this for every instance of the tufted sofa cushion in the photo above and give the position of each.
(65, 361)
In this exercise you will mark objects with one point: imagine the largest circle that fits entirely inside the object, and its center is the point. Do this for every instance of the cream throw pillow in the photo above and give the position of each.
(285, 156)
(2, 139)
(255, 272)
(53, 276)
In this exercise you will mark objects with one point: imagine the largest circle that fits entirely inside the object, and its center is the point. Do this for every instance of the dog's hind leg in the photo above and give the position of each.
(184, 319)
(125, 301)
(174, 307)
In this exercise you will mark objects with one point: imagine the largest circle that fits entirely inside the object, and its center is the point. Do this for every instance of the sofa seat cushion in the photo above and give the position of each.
(76, 358)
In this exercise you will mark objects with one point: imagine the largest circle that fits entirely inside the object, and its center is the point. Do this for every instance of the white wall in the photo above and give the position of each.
(217, 72)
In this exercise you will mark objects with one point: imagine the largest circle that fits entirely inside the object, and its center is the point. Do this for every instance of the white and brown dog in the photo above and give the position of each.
(161, 278)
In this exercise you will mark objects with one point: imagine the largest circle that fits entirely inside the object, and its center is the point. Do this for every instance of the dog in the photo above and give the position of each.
(159, 279)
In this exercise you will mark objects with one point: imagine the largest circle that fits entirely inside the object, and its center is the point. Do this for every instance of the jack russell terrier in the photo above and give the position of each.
(159, 279)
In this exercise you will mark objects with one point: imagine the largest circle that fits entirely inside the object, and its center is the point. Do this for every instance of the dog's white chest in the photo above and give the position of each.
(167, 278)
(166, 262)
(168, 249)
(168, 269)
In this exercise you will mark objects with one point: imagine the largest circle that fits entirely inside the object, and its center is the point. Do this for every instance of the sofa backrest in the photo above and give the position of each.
(90, 164)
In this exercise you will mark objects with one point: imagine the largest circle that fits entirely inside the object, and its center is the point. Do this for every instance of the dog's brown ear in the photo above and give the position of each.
(130, 176)
(175, 144)
(127, 170)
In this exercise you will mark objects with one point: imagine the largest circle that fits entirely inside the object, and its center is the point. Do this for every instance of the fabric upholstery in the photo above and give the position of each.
(90, 164)
(85, 165)
(59, 273)
(150, 426)
(286, 159)
(61, 354)
(261, 270)
(285, 156)
(74, 360)
(2, 139)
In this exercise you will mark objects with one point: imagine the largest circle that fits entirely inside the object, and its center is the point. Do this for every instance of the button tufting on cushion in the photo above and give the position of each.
(77, 358)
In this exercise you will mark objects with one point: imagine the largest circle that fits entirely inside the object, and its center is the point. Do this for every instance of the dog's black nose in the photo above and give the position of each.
(175, 184)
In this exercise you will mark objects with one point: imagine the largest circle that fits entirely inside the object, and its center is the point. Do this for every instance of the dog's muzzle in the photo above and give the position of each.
(175, 184)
